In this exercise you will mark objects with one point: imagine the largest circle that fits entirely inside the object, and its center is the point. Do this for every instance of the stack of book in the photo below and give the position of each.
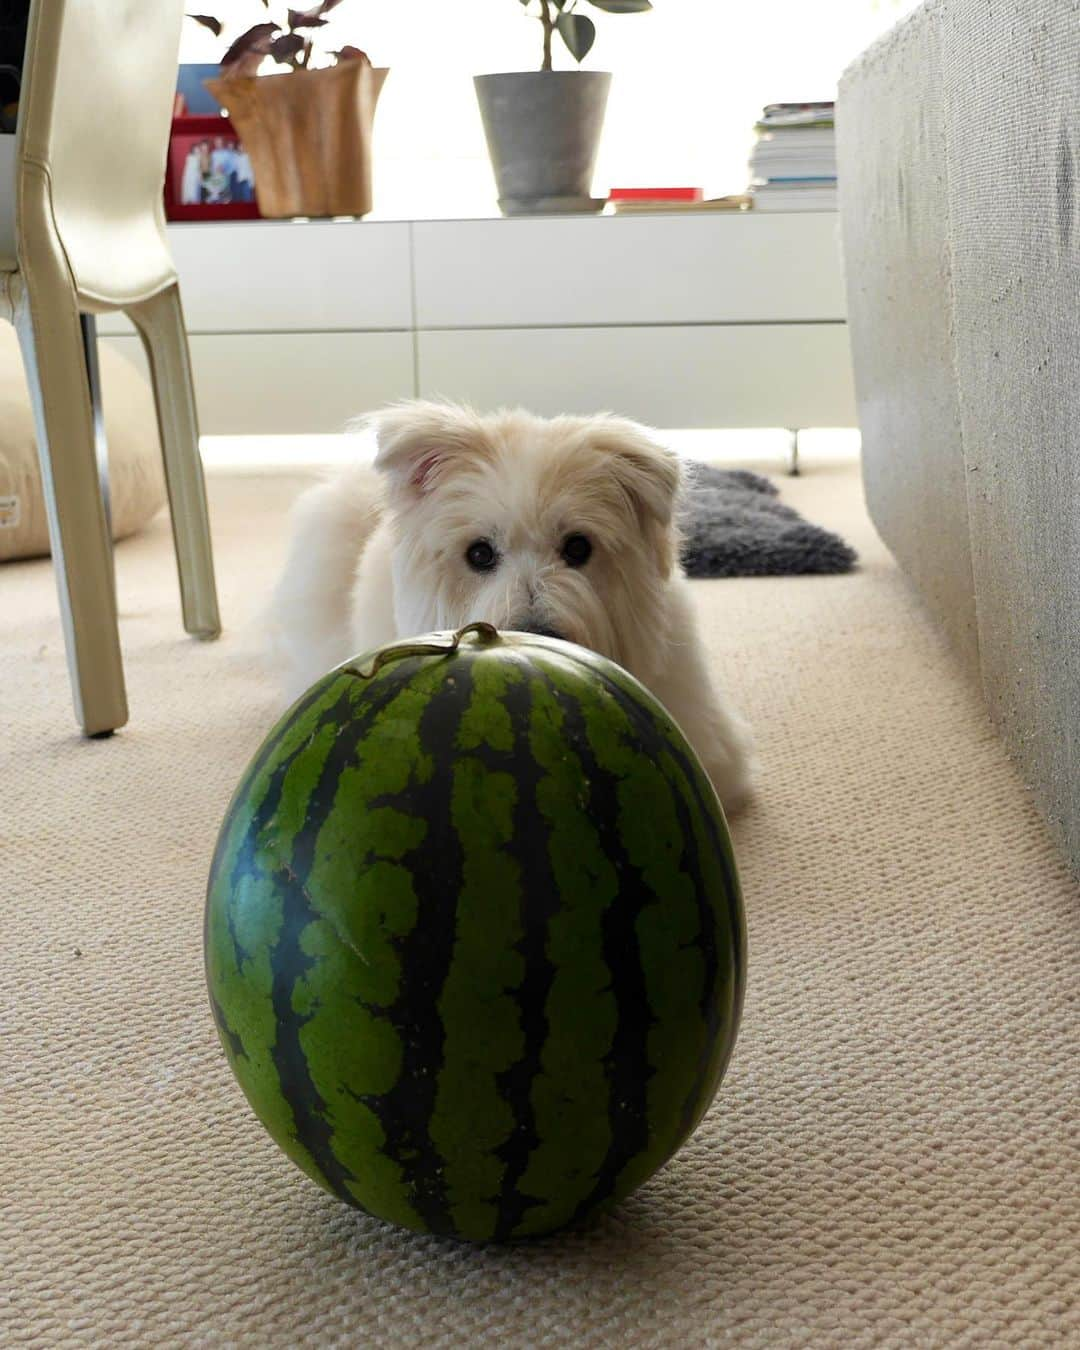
(793, 166)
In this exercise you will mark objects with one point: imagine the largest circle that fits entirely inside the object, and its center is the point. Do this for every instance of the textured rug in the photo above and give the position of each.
(735, 525)
(891, 1161)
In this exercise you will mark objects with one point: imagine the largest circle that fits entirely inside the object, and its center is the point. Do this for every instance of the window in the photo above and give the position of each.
(690, 79)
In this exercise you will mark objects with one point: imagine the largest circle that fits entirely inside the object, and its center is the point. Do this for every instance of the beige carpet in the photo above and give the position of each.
(893, 1159)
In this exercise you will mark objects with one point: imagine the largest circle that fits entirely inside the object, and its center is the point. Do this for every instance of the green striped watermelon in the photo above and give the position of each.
(474, 939)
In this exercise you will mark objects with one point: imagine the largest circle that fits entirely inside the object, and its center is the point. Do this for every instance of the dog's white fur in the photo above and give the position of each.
(380, 555)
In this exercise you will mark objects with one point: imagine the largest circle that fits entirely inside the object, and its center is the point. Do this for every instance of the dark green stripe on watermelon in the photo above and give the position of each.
(405, 1110)
(474, 939)
(706, 842)
(626, 1063)
(317, 741)
(495, 759)
(537, 906)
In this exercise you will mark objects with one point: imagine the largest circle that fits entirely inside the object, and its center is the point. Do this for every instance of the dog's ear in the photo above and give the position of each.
(650, 475)
(419, 442)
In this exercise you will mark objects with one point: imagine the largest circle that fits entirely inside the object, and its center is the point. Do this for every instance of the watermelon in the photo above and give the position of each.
(474, 938)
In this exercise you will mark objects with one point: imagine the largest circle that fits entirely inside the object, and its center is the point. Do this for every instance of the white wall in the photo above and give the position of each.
(690, 78)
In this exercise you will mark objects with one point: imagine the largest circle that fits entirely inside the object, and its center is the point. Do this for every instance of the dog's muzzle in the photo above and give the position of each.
(540, 630)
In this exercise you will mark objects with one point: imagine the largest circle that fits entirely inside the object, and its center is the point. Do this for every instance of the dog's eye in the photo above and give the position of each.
(576, 550)
(481, 556)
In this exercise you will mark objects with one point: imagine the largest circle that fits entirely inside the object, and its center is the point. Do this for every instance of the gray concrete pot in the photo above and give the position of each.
(543, 130)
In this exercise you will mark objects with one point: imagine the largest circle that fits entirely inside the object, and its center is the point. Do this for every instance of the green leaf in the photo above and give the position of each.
(622, 6)
(577, 32)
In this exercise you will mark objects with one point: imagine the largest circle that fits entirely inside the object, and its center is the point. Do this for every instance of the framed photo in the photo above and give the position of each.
(208, 175)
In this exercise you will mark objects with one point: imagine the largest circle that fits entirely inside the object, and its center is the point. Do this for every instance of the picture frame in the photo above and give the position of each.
(208, 175)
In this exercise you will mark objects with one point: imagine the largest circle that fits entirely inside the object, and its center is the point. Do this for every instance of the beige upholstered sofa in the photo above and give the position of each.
(959, 149)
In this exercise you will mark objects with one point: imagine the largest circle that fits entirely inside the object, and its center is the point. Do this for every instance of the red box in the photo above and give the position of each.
(661, 194)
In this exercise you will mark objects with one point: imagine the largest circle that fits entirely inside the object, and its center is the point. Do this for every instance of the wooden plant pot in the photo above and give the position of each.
(308, 133)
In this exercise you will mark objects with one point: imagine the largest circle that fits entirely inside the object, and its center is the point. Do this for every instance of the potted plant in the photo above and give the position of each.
(307, 130)
(543, 127)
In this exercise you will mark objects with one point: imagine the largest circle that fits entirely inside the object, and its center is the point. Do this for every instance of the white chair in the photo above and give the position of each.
(83, 233)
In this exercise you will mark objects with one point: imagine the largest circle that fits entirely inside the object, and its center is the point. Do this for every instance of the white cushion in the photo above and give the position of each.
(136, 478)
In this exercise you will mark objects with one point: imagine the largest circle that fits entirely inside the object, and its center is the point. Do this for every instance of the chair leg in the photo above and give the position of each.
(160, 321)
(101, 444)
(55, 360)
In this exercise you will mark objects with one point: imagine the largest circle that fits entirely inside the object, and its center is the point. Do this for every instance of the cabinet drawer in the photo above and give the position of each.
(292, 383)
(288, 276)
(783, 375)
(709, 268)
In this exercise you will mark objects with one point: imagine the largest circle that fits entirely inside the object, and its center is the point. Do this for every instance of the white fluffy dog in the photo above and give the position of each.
(564, 527)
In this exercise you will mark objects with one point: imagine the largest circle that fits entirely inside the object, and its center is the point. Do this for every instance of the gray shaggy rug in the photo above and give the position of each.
(734, 525)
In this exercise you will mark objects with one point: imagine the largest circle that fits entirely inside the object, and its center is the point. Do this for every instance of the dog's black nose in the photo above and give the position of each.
(540, 630)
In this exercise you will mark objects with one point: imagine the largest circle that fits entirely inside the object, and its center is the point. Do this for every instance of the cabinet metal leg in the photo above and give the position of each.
(793, 453)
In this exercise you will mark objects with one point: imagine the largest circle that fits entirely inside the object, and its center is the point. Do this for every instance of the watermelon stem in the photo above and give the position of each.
(484, 631)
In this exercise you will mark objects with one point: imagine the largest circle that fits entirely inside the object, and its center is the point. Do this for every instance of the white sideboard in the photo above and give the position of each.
(705, 320)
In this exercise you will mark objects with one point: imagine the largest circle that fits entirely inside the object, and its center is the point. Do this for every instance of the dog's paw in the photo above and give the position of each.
(737, 797)
(734, 776)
